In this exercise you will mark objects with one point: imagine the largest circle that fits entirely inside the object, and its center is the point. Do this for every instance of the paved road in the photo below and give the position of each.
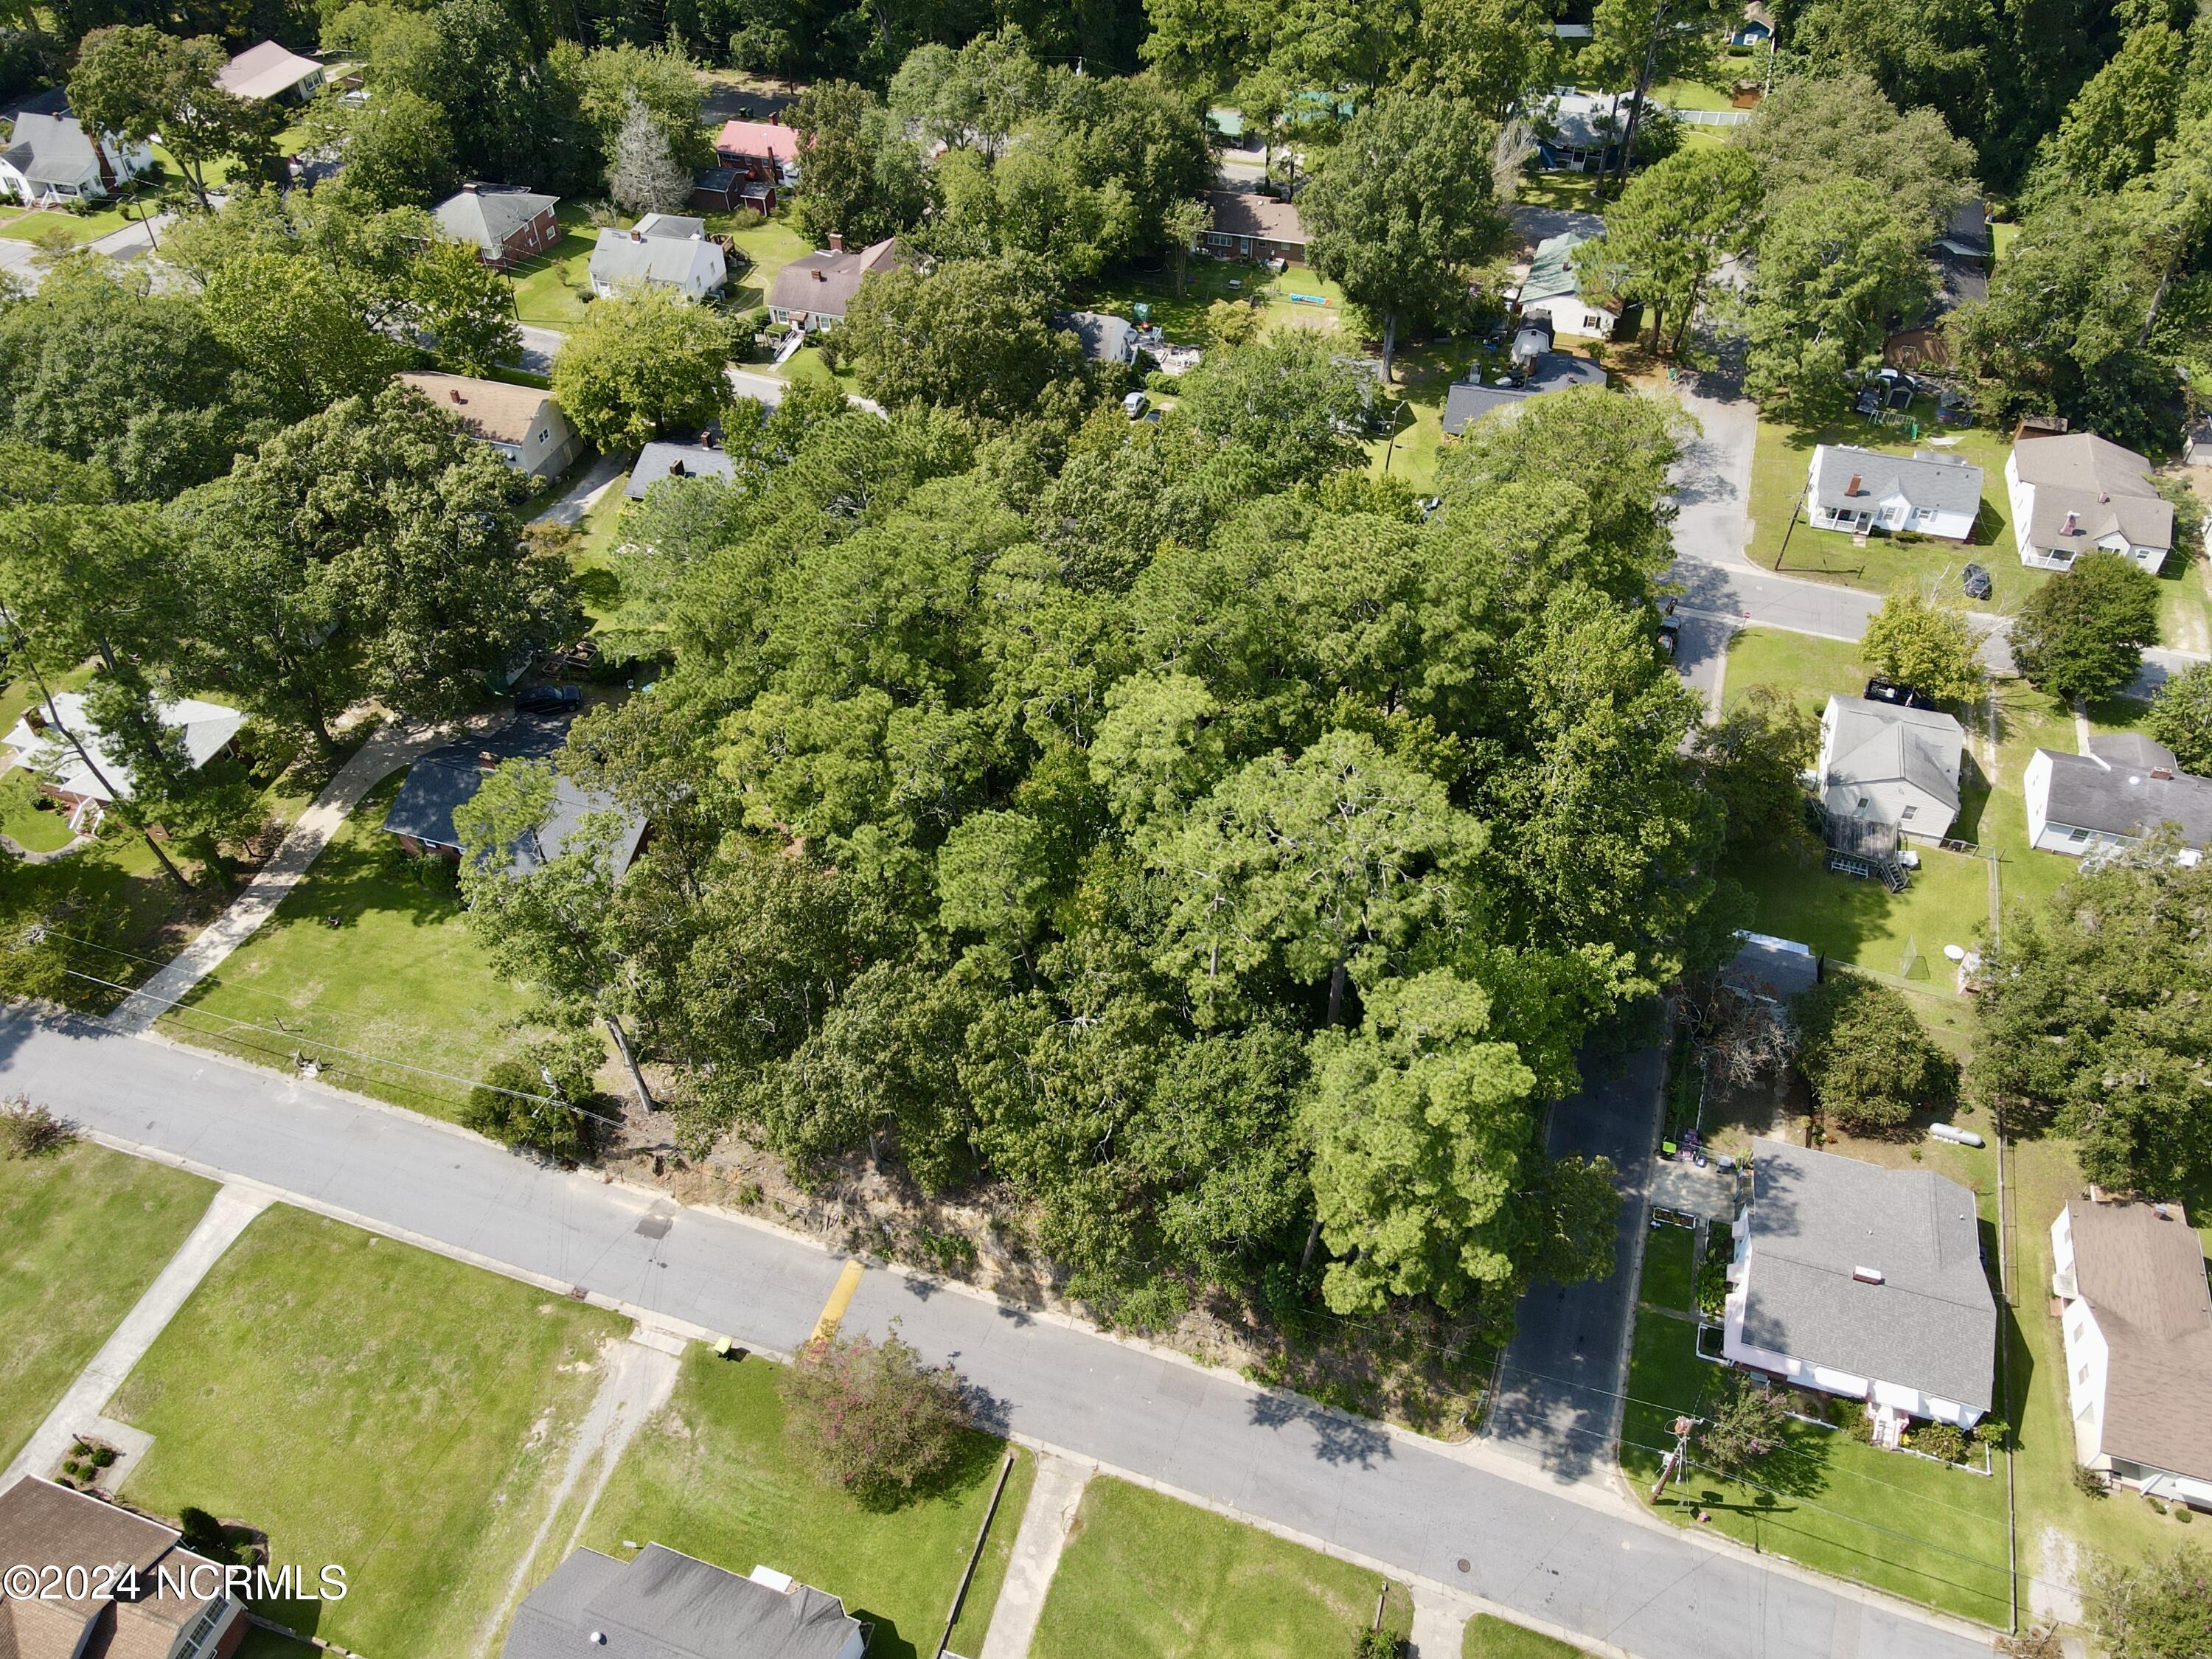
(1566, 1555)
(1555, 1389)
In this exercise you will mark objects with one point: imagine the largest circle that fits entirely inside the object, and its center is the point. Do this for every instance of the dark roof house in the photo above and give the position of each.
(1863, 1281)
(1772, 969)
(448, 777)
(657, 461)
(184, 1608)
(664, 1605)
(1542, 370)
(2125, 787)
(1256, 225)
(505, 225)
(1105, 338)
(816, 289)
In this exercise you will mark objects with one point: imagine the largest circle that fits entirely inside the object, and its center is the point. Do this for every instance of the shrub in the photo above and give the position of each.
(103, 1457)
(29, 1131)
(1160, 383)
(1378, 1644)
(509, 1106)
(875, 1419)
(1990, 1431)
(2088, 1482)
(1712, 1285)
(1940, 1440)
(1747, 1426)
(1860, 1427)
(2160, 1609)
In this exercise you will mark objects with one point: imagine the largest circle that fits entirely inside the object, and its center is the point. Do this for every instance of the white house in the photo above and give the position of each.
(45, 747)
(2075, 493)
(525, 425)
(1855, 489)
(2124, 788)
(1552, 290)
(49, 159)
(268, 72)
(665, 250)
(2138, 1322)
(1893, 763)
(1862, 1282)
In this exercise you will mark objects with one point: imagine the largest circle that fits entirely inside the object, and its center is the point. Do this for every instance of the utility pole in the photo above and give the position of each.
(1673, 1464)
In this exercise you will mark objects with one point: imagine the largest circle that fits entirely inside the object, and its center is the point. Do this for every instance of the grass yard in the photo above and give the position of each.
(1816, 669)
(82, 227)
(371, 1405)
(542, 297)
(1902, 1524)
(1885, 564)
(1181, 317)
(715, 1476)
(1574, 193)
(398, 977)
(83, 1232)
(1495, 1638)
(1149, 1578)
(1670, 1255)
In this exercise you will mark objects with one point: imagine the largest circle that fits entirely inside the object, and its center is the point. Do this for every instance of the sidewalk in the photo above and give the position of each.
(375, 761)
(1053, 1499)
(227, 1216)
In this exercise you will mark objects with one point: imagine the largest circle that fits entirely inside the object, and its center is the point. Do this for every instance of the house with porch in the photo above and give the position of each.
(449, 776)
(48, 158)
(1865, 1282)
(812, 291)
(1250, 224)
(2126, 787)
(2073, 493)
(1890, 764)
(62, 745)
(1579, 131)
(2129, 1281)
(1856, 491)
(1555, 289)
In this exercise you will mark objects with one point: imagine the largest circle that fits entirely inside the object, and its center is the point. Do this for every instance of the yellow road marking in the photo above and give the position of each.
(841, 1298)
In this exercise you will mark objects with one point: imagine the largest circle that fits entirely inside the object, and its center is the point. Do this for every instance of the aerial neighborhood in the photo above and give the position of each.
(1137, 830)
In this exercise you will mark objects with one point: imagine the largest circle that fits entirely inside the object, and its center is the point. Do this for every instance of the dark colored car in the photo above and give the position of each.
(1976, 582)
(1670, 634)
(548, 699)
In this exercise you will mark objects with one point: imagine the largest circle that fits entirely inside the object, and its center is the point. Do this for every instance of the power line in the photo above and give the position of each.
(352, 1053)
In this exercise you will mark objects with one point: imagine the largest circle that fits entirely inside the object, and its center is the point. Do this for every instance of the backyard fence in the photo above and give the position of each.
(1712, 117)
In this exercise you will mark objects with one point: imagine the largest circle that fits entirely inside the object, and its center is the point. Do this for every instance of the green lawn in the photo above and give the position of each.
(1885, 564)
(1898, 1523)
(1182, 317)
(1669, 1256)
(83, 1233)
(1575, 193)
(397, 977)
(1494, 1638)
(542, 298)
(715, 1476)
(82, 227)
(30, 819)
(770, 245)
(373, 1405)
(1146, 1575)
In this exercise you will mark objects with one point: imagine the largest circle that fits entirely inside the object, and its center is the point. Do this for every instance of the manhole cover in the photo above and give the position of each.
(1463, 1566)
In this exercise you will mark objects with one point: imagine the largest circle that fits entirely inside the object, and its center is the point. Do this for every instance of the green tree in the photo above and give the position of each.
(2082, 634)
(2181, 717)
(1750, 761)
(640, 363)
(1748, 1425)
(1933, 56)
(548, 920)
(1401, 206)
(1669, 231)
(1639, 42)
(1487, 53)
(616, 81)
(540, 1099)
(465, 305)
(293, 323)
(2093, 1022)
(2115, 125)
(863, 180)
(1811, 131)
(972, 334)
(397, 150)
(135, 81)
(1838, 267)
(1185, 225)
(1287, 398)
(1926, 646)
(1869, 1064)
(874, 1418)
(2157, 1609)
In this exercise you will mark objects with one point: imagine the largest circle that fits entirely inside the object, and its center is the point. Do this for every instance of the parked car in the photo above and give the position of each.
(1975, 579)
(1135, 405)
(1670, 634)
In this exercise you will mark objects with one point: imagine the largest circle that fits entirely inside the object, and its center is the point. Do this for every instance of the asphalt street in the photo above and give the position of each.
(1555, 1386)
(1562, 1553)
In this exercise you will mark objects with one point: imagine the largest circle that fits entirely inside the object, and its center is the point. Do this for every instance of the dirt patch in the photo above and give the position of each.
(2053, 1594)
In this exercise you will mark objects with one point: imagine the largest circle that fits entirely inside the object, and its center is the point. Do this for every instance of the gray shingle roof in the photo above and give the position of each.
(2122, 797)
(1587, 121)
(2142, 1275)
(488, 216)
(51, 150)
(1816, 1218)
(657, 461)
(450, 775)
(657, 256)
(2103, 485)
(1774, 969)
(1465, 403)
(682, 226)
(823, 283)
(1925, 479)
(664, 1605)
(1106, 338)
(1878, 744)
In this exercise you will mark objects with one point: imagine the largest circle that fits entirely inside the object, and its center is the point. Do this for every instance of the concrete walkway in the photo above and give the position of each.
(375, 761)
(1053, 1499)
(1439, 1624)
(88, 1397)
(582, 496)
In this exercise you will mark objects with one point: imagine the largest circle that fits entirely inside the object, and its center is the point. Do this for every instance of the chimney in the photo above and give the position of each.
(2104, 495)
(1867, 1275)
(2164, 774)
(1852, 487)
(836, 241)
(819, 276)
(455, 393)
(676, 469)
(468, 190)
(486, 761)
(637, 236)
(2072, 527)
